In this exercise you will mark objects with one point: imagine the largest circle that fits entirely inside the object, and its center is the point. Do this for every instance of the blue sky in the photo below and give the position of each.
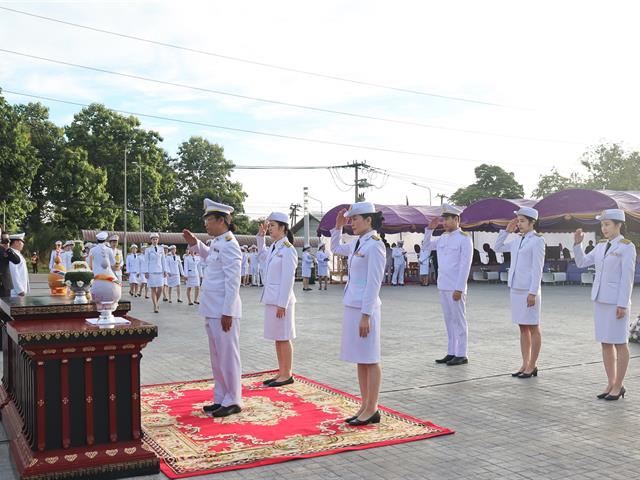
(570, 64)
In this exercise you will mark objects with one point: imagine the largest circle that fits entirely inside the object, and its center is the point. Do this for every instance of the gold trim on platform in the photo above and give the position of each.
(17, 312)
(91, 333)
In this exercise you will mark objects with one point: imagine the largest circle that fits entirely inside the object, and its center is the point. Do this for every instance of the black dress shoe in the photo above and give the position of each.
(445, 359)
(267, 382)
(226, 411)
(350, 419)
(457, 361)
(288, 381)
(211, 408)
(616, 397)
(375, 418)
(602, 395)
(517, 374)
(534, 373)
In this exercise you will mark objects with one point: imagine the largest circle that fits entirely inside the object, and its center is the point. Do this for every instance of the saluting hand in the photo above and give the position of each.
(620, 312)
(365, 327)
(341, 220)
(433, 224)
(512, 226)
(280, 312)
(189, 237)
(226, 321)
(264, 227)
(578, 237)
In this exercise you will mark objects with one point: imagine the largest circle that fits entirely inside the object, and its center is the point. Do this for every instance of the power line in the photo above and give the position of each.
(256, 132)
(264, 64)
(287, 104)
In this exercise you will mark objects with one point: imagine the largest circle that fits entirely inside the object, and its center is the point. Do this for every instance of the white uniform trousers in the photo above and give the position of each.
(224, 349)
(398, 274)
(456, 323)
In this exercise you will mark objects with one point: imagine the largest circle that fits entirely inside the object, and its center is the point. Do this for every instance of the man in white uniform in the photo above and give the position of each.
(455, 253)
(101, 252)
(19, 272)
(399, 255)
(221, 306)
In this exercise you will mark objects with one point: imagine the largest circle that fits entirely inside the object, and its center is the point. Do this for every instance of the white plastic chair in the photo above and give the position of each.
(560, 277)
(493, 276)
(479, 277)
(547, 277)
(586, 278)
(504, 277)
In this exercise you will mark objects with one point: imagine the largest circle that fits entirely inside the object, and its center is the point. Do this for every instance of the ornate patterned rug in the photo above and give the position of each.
(302, 420)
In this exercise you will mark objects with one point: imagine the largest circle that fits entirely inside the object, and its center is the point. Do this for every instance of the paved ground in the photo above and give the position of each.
(548, 427)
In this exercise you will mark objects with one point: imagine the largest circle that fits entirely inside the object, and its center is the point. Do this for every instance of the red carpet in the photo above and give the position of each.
(276, 425)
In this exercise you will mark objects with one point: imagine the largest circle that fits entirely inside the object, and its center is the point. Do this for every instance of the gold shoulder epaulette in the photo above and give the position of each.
(287, 244)
(375, 237)
(466, 234)
(604, 240)
(538, 234)
(228, 237)
(625, 241)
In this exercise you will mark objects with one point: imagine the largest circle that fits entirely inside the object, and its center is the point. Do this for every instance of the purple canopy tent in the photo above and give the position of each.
(567, 210)
(491, 214)
(397, 218)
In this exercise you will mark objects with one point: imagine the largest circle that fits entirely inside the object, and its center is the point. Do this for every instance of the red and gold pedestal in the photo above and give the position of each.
(71, 391)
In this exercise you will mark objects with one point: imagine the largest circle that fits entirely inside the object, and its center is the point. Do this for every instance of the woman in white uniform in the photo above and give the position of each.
(615, 262)
(280, 263)
(307, 265)
(525, 277)
(323, 267)
(246, 269)
(361, 322)
(155, 269)
(131, 266)
(142, 278)
(423, 261)
(175, 273)
(192, 271)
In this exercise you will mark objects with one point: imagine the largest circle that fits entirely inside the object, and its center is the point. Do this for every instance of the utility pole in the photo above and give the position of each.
(141, 207)
(356, 165)
(293, 213)
(441, 196)
(124, 253)
(305, 204)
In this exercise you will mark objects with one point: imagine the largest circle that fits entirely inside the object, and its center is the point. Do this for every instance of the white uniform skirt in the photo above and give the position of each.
(424, 268)
(306, 270)
(279, 328)
(520, 313)
(193, 281)
(133, 278)
(173, 281)
(156, 280)
(323, 269)
(610, 329)
(142, 278)
(356, 349)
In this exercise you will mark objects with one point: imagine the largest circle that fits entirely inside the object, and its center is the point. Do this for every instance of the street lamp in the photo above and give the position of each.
(423, 186)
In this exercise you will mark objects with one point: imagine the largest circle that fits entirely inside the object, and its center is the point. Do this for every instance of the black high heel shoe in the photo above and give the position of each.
(616, 397)
(534, 373)
(517, 374)
(602, 395)
(375, 418)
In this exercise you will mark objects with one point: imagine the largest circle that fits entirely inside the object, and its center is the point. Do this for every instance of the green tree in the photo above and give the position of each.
(48, 140)
(80, 200)
(610, 167)
(204, 172)
(492, 181)
(18, 163)
(104, 135)
(554, 182)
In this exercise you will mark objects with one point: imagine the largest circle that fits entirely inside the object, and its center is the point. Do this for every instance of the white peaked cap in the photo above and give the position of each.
(154, 235)
(450, 210)
(528, 212)
(214, 207)
(278, 217)
(17, 236)
(102, 236)
(612, 214)
(360, 208)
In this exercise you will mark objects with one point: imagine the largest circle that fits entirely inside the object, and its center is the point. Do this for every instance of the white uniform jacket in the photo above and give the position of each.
(613, 282)
(154, 260)
(527, 260)
(102, 260)
(19, 276)
(366, 269)
(221, 281)
(280, 263)
(455, 253)
(132, 263)
(174, 265)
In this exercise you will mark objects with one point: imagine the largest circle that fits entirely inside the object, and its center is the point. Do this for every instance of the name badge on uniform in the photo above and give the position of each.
(359, 254)
(614, 254)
